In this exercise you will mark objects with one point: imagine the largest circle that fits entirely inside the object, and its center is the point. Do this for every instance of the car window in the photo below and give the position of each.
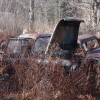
(41, 44)
(13, 46)
(90, 45)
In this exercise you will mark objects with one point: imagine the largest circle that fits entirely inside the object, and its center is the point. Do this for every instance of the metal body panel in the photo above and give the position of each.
(93, 52)
(85, 37)
(34, 35)
(73, 19)
(65, 32)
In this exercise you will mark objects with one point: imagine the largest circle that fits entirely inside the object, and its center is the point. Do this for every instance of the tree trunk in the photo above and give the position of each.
(31, 15)
(95, 10)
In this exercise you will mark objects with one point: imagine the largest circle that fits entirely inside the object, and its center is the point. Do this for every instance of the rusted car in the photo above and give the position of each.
(38, 42)
(16, 48)
(90, 46)
(65, 35)
(87, 44)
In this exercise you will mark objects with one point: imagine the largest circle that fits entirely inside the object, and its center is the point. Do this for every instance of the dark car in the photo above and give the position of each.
(72, 48)
(65, 35)
(23, 46)
(15, 48)
(90, 46)
(40, 41)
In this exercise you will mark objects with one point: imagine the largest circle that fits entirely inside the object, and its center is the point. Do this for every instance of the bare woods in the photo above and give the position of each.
(42, 16)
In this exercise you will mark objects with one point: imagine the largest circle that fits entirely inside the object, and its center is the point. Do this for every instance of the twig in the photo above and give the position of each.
(23, 5)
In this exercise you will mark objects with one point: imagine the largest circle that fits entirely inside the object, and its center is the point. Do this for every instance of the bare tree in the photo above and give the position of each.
(31, 14)
(96, 6)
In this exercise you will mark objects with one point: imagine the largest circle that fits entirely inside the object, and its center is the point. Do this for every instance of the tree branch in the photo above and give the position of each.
(23, 5)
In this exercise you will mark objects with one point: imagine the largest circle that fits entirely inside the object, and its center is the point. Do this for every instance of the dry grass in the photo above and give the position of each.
(30, 80)
(39, 81)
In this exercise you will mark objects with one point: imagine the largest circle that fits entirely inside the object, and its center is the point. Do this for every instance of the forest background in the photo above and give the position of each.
(42, 16)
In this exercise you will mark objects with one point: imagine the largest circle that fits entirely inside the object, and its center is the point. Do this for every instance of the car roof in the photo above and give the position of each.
(34, 35)
(44, 35)
(85, 37)
(17, 39)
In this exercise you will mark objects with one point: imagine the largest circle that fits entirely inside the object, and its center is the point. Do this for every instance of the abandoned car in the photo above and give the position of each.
(90, 46)
(14, 49)
(39, 42)
(70, 43)
(65, 35)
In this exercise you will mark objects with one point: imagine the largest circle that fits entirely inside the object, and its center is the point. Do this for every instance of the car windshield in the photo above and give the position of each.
(41, 44)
